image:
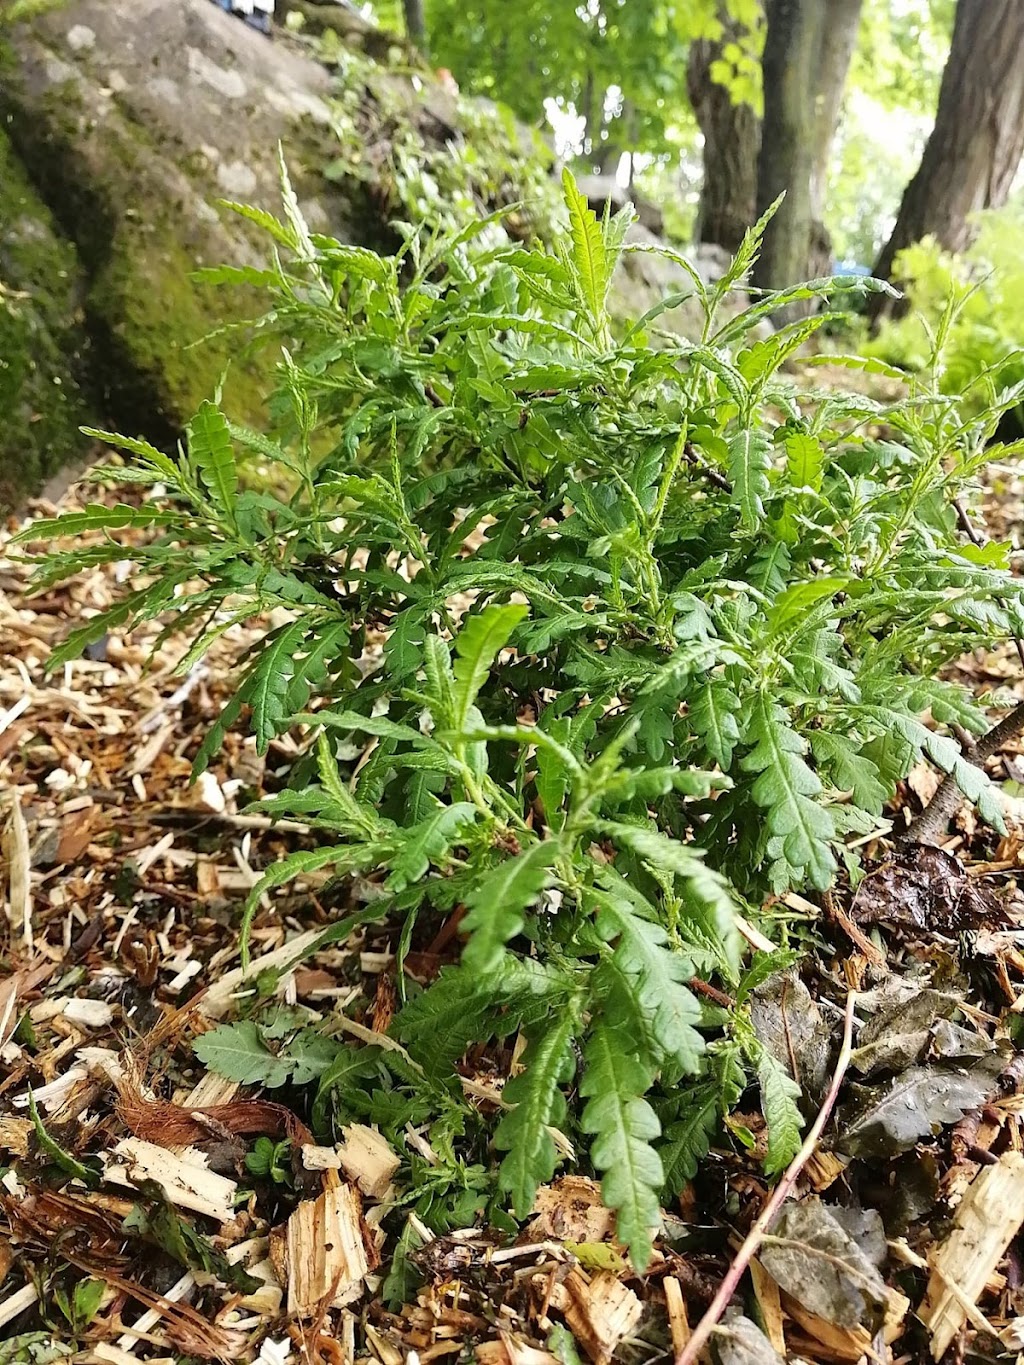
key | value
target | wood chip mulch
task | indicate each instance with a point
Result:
(122, 1158)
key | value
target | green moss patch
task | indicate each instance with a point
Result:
(43, 345)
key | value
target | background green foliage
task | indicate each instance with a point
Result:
(983, 353)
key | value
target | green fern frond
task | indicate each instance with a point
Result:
(209, 448)
(786, 788)
(590, 261)
(539, 1103)
(624, 1126)
(496, 905)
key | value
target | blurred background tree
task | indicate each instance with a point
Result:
(714, 107)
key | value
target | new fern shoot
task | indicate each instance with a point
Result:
(627, 633)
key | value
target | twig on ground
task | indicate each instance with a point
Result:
(701, 1333)
(926, 827)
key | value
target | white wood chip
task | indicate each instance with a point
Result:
(15, 846)
(987, 1220)
(184, 1176)
(326, 1256)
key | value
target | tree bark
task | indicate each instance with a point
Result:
(976, 144)
(792, 51)
(842, 23)
(415, 23)
(732, 140)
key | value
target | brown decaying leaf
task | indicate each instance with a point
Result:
(789, 1023)
(813, 1259)
(882, 1121)
(927, 889)
(739, 1341)
(174, 1125)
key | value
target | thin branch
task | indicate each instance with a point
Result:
(709, 471)
(712, 992)
(752, 1242)
(926, 827)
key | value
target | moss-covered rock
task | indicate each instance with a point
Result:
(42, 341)
(128, 122)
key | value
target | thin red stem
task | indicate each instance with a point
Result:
(751, 1243)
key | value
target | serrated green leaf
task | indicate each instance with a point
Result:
(437, 665)
(439, 1024)
(236, 274)
(655, 973)
(779, 1095)
(793, 606)
(712, 713)
(946, 754)
(477, 645)
(135, 445)
(851, 771)
(591, 273)
(427, 843)
(343, 858)
(866, 364)
(786, 788)
(718, 365)
(97, 517)
(263, 220)
(688, 1140)
(362, 820)
(539, 1104)
(238, 1052)
(498, 900)
(749, 463)
(369, 725)
(805, 461)
(668, 856)
(145, 604)
(267, 683)
(209, 447)
(624, 1126)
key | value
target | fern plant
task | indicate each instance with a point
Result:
(622, 632)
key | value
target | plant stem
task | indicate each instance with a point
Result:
(752, 1242)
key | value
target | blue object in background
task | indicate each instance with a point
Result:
(256, 13)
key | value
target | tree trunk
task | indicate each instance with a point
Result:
(732, 139)
(842, 22)
(976, 144)
(415, 23)
(792, 52)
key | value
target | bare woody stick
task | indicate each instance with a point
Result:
(927, 826)
(751, 1243)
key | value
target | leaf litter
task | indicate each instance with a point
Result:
(184, 1174)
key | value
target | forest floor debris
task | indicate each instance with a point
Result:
(154, 1208)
